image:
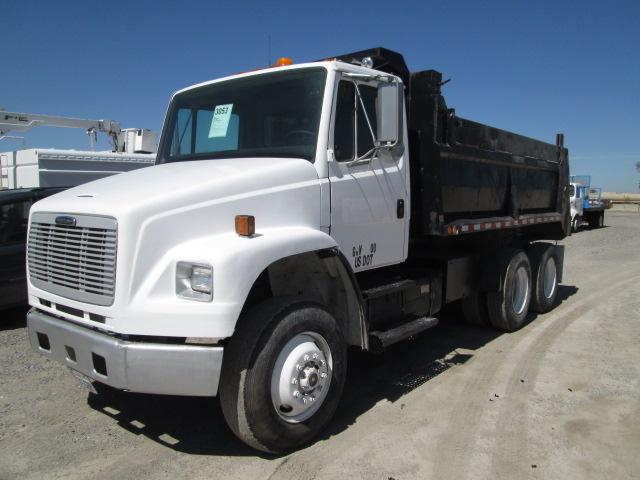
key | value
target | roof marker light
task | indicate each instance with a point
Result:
(283, 62)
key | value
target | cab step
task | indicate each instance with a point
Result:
(381, 339)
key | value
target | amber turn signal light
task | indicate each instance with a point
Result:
(245, 225)
(284, 61)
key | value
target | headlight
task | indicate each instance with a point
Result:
(194, 281)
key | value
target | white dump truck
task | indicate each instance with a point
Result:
(586, 203)
(292, 212)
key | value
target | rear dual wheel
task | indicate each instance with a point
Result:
(545, 266)
(529, 281)
(508, 307)
(474, 309)
(597, 221)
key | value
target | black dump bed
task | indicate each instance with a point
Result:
(469, 177)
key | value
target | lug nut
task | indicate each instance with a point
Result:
(294, 381)
(323, 375)
(315, 356)
(306, 358)
(304, 400)
(298, 367)
(296, 393)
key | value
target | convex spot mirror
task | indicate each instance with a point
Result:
(389, 108)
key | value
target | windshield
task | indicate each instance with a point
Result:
(269, 115)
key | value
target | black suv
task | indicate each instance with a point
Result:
(14, 219)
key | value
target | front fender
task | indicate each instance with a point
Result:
(237, 262)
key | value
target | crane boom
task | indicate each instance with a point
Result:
(14, 121)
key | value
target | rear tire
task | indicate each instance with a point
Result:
(264, 350)
(545, 267)
(474, 309)
(508, 308)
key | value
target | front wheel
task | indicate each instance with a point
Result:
(283, 374)
(575, 224)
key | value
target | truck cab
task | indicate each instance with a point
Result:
(284, 220)
(577, 195)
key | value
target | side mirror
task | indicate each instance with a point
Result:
(389, 114)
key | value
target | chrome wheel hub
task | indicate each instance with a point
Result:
(520, 290)
(549, 278)
(301, 377)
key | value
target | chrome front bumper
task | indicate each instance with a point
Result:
(134, 366)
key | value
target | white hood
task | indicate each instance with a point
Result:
(162, 207)
(173, 185)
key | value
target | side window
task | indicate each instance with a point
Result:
(344, 130)
(13, 221)
(351, 127)
(365, 139)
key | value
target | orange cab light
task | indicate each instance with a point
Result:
(245, 225)
(284, 61)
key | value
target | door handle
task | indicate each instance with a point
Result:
(400, 208)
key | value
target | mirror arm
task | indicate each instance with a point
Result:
(366, 77)
(366, 116)
(364, 158)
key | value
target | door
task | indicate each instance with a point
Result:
(369, 188)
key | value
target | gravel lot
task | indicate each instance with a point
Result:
(558, 399)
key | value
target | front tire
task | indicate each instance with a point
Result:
(575, 224)
(283, 374)
(508, 308)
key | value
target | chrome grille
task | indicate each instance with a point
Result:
(74, 261)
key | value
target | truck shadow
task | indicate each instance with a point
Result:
(196, 426)
(590, 229)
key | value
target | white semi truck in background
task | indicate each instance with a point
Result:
(586, 203)
(292, 212)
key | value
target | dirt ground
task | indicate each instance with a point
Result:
(558, 399)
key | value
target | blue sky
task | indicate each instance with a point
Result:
(536, 68)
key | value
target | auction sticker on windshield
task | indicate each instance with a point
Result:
(220, 121)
